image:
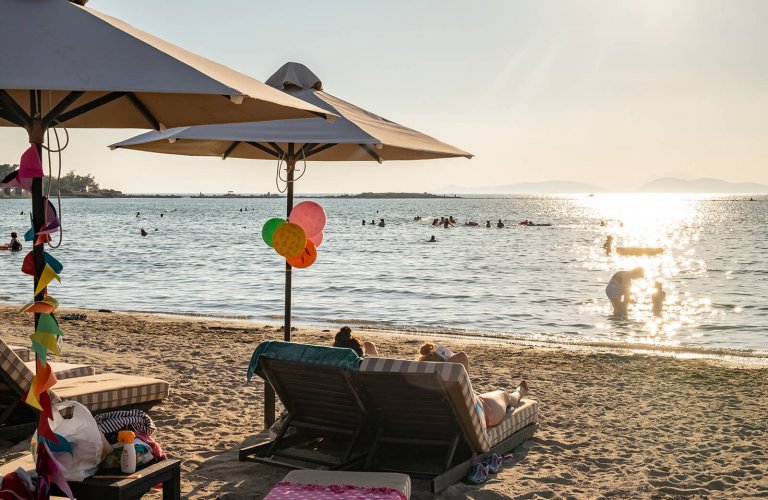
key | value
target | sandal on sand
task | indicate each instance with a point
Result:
(495, 463)
(478, 474)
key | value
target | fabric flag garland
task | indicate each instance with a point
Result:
(13, 181)
(48, 469)
(44, 379)
(30, 166)
(45, 306)
(46, 277)
(28, 266)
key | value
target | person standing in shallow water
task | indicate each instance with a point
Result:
(618, 290)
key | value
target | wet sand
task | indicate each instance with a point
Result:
(612, 424)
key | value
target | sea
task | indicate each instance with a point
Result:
(538, 284)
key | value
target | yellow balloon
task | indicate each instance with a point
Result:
(289, 240)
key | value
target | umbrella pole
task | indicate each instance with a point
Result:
(291, 166)
(36, 133)
(269, 393)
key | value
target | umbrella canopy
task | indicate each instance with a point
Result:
(95, 71)
(357, 135)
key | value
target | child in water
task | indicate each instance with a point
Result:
(658, 299)
(14, 245)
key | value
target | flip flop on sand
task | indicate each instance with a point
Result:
(478, 474)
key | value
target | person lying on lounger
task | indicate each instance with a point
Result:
(363, 349)
(495, 403)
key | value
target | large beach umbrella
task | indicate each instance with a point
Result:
(63, 64)
(357, 135)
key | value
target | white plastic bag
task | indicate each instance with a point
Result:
(83, 434)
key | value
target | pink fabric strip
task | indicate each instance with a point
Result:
(285, 490)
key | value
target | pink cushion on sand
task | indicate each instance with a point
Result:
(333, 492)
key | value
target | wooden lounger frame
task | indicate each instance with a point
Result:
(320, 403)
(405, 410)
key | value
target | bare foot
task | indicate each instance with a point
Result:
(519, 393)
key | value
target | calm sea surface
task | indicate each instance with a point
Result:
(205, 256)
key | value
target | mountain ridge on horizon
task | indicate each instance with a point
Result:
(660, 185)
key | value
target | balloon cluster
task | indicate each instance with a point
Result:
(297, 238)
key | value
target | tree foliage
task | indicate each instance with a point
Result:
(71, 184)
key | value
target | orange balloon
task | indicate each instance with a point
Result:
(289, 240)
(306, 258)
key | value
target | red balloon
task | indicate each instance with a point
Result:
(305, 258)
(316, 239)
(310, 216)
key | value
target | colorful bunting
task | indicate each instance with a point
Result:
(45, 306)
(50, 469)
(30, 165)
(12, 181)
(28, 265)
(47, 340)
(48, 324)
(29, 235)
(46, 277)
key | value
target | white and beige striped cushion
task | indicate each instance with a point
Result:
(526, 412)
(111, 390)
(459, 388)
(65, 370)
(97, 392)
(14, 367)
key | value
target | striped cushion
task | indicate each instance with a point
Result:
(66, 370)
(111, 390)
(15, 368)
(458, 387)
(526, 412)
(23, 352)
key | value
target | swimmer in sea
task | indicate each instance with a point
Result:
(432, 239)
(658, 299)
(381, 222)
(363, 221)
(143, 232)
(487, 223)
(608, 245)
(499, 224)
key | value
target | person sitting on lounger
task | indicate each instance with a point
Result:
(495, 403)
(363, 349)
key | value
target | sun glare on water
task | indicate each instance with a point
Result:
(649, 221)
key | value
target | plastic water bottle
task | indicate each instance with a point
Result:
(128, 457)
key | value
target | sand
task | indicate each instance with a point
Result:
(612, 424)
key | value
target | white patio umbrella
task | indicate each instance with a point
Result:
(357, 135)
(63, 64)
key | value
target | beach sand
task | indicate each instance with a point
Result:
(621, 425)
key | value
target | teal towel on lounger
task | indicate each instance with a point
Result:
(291, 351)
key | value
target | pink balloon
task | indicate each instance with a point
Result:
(310, 216)
(316, 239)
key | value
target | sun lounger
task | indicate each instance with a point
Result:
(315, 483)
(416, 405)
(422, 415)
(320, 405)
(97, 392)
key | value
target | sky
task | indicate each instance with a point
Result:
(611, 93)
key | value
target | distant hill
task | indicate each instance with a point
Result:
(545, 187)
(703, 185)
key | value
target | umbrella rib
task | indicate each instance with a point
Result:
(230, 149)
(61, 107)
(320, 149)
(371, 152)
(146, 113)
(10, 106)
(100, 101)
(265, 149)
(279, 149)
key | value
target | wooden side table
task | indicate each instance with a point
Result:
(167, 472)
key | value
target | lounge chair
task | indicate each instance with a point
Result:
(425, 411)
(320, 404)
(97, 392)
(416, 405)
